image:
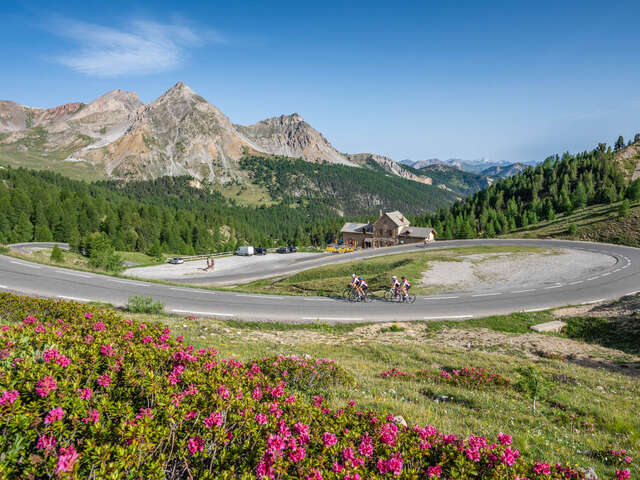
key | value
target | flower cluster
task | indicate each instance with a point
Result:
(394, 372)
(148, 406)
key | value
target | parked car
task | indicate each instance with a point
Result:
(245, 251)
(260, 251)
(292, 249)
(176, 261)
(282, 250)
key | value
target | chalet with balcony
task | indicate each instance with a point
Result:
(391, 228)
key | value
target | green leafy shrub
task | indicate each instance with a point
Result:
(142, 304)
(56, 254)
(88, 394)
(305, 374)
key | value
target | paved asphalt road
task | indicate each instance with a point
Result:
(621, 279)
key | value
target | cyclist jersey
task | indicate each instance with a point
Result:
(363, 283)
(396, 284)
(356, 281)
(407, 284)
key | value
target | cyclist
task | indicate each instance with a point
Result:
(395, 285)
(362, 286)
(405, 285)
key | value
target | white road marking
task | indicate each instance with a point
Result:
(75, 274)
(606, 274)
(439, 298)
(213, 314)
(524, 291)
(553, 286)
(626, 266)
(616, 270)
(128, 283)
(535, 310)
(75, 299)
(486, 294)
(632, 293)
(332, 318)
(448, 316)
(4, 288)
(188, 290)
(593, 301)
(592, 278)
(25, 264)
(577, 283)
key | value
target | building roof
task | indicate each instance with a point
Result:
(353, 228)
(398, 218)
(416, 232)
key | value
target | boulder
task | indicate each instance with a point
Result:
(553, 326)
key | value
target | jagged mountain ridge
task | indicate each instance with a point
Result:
(178, 133)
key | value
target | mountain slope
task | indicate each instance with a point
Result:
(459, 181)
(504, 171)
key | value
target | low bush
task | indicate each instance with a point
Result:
(305, 374)
(142, 304)
(466, 376)
(87, 394)
(56, 254)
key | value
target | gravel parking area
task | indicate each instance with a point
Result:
(483, 272)
(223, 266)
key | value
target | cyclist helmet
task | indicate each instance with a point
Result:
(353, 275)
(394, 277)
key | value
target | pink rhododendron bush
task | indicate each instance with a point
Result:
(88, 394)
(465, 376)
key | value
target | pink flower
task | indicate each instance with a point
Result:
(9, 397)
(297, 454)
(191, 415)
(504, 439)
(472, 454)
(92, 417)
(88, 315)
(195, 444)
(542, 468)
(394, 464)
(214, 419)
(46, 385)
(46, 443)
(63, 361)
(509, 456)
(388, 434)
(256, 394)
(107, 350)
(50, 355)
(623, 474)
(329, 439)
(104, 380)
(317, 401)
(261, 418)
(223, 391)
(366, 447)
(85, 393)
(98, 326)
(54, 415)
(144, 413)
(315, 475)
(278, 391)
(67, 458)
(627, 459)
(435, 471)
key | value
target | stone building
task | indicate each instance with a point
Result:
(391, 228)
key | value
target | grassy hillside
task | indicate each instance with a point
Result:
(587, 409)
(597, 223)
(353, 191)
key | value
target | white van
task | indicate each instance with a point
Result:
(245, 251)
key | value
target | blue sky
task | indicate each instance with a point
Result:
(509, 80)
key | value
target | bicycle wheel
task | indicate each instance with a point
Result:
(346, 293)
(353, 296)
(410, 298)
(366, 298)
(388, 295)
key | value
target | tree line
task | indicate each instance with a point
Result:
(560, 184)
(163, 215)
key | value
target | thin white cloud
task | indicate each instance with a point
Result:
(142, 47)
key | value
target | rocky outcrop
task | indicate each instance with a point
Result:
(291, 136)
(388, 165)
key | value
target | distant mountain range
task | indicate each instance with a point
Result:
(482, 166)
(179, 133)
